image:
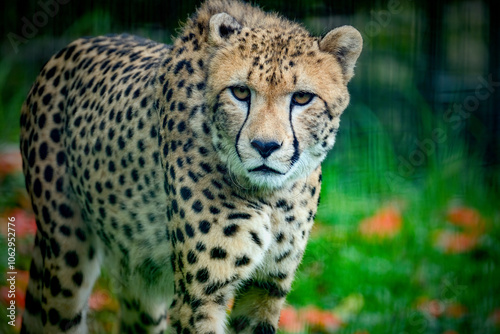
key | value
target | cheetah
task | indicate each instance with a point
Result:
(191, 172)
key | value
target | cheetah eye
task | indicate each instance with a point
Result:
(302, 98)
(241, 93)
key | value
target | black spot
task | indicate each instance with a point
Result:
(204, 226)
(66, 324)
(189, 230)
(180, 235)
(218, 253)
(230, 230)
(81, 235)
(46, 215)
(239, 215)
(37, 188)
(135, 175)
(264, 328)
(55, 247)
(283, 256)
(193, 176)
(43, 151)
(41, 121)
(32, 158)
(186, 193)
(202, 275)
(50, 73)
(242, 261)
(255, 238)
(214, 210)
(65, 230)
(181, 126)
(47, 98)
(169, 94)
(49, 173)
(55, 286)
(175, 207)
(33, 305)
(65, 211)
(137, 93)
(54, 316)
(197, 206)
(191, 257)
(71, 259)
(127, 230)
(153, 133)
(61, 158)
(212, 288)
(55, 135)
(206, 167)
(200, 247)
(77, 278)
(59, 184)
(280, 237)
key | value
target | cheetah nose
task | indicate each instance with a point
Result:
(265, 148)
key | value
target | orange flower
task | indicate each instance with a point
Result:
(472, 226)
(456, 242)
(289, 320)
(10, 162)
(293, 321)
(385, 223)
(24, 224)
(321, 319)
(467, 218)
(100, 299)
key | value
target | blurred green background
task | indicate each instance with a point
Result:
(408, 229)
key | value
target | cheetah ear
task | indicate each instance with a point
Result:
(345, 43)
(222, 26)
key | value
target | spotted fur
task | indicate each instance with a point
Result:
(191, 171)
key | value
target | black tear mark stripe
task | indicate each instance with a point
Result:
(296, 154)
(241, 129)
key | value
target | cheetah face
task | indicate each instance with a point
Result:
(277, 99)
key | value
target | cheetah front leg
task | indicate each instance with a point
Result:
(259, 300)
(257, 307)
(258, 303)
(210, 263)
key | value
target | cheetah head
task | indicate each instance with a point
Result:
(276, 96)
